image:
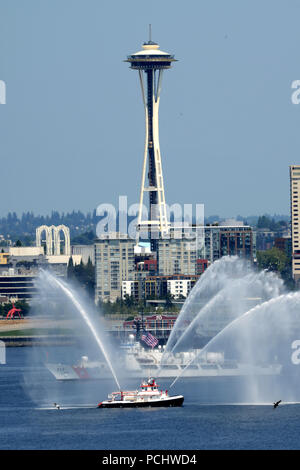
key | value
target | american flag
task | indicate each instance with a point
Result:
(149, 339)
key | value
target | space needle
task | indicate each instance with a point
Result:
(150, 63)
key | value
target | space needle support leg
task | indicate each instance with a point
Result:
(159, 174)
(145, 152)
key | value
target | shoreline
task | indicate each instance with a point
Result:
(39, 340)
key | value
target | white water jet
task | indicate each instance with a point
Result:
(216, 276)
(236, 298)
(268, 333)
(226, 290)
(72, 296)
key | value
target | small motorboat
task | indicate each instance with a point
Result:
(148, 395)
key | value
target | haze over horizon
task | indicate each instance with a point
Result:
(72, 128)
(206, 216)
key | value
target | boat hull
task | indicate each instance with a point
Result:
(168, 402)
(66, 372)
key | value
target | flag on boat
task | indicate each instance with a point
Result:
(149, 339)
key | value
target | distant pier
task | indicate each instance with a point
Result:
(39, 340)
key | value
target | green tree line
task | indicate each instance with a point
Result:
(267, 222)
(277, 261)
(84, 274)
(131, 307)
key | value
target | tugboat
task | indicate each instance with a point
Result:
(149, 395)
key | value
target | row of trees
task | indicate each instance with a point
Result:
(267, 222)
(83, 226)
(131, 307)
(84, 275)
(123, 307)
(23, 228)
(277, 261)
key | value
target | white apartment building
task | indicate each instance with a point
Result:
(179, 287)
(114, 263)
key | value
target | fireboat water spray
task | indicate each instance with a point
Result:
(226, 279)
(213, 340)
(50, 278)
(278, 333)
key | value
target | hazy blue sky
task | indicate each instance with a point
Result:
(72, 130)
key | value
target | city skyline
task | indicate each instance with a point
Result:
(228, 124)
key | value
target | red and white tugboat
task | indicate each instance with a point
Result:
(149, 395)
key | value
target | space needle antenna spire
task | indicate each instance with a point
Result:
(150, 63)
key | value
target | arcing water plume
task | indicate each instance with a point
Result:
(216, 276)
(46, 277)
(229, 303)
(264, 333)
(268, 333)
(227, 289)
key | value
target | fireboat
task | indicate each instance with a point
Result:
(149, 395)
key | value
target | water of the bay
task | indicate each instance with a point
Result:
(206, 421)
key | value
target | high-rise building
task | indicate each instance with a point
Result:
(295, 208)
(176, 256)
(191, 250)
(150, 63)
(114, 259)
(178, 253)
(228, 240)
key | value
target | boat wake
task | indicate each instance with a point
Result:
(66, 407)
(267, 404)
